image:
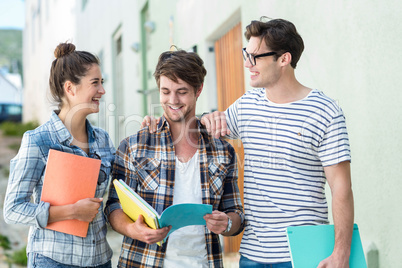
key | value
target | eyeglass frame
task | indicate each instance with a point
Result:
(253, 60)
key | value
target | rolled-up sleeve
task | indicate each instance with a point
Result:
(122, 169)
(22, 202)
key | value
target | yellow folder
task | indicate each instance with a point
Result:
(133, 205)
(177, 216)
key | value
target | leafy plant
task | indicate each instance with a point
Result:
(14, 146)
(17, 129)
(6, 173)
(17, 257)
(5, 242)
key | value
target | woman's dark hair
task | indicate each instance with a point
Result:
(279, 35)
(187, 66)
(69, 65)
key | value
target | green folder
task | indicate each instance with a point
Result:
(309, 245)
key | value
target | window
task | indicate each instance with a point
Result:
(10, 112)
(83, 4)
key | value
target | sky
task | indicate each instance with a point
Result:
(12, 14)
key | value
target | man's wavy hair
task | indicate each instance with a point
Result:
(180, 64)
(279, 35)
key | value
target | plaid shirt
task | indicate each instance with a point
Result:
(26, 181)
(146, 162)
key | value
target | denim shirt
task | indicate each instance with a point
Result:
(23, 205)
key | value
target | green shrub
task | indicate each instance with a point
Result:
(4, 242)
(17, 129)
(6, 173)
(14, 146)
(19, 257)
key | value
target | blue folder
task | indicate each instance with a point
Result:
(309, 245)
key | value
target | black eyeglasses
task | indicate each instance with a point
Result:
(252, 58)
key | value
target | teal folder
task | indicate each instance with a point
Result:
(309, 245)
(178, 215)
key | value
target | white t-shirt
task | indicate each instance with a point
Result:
(186, 246)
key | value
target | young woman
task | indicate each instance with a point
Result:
(76, 85)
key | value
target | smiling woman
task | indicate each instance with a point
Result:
(76, 86)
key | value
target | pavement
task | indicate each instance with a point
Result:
(18, 233)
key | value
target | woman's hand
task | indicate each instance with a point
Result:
(86, 209)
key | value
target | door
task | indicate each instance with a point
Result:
(230, 86)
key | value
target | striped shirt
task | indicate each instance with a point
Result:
(286, 148)
(146, 162)
(26, 181)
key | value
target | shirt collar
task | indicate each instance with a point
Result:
(91, 132)
(62, 133)
(163, 123)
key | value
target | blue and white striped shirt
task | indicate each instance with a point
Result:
(286, 148)
(26, 181)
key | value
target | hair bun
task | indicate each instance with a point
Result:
(64, 49)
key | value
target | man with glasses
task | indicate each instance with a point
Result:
(294, 139)
(178, 163)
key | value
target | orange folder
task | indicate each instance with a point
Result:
(69, 178)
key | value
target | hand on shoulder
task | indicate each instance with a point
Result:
(151, 122)
(215, 123)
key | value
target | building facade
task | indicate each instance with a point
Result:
(47, 23)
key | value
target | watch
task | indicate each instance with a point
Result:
(229, 225)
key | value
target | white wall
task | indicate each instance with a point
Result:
(197, 23)
(99, 22)
(48, 23)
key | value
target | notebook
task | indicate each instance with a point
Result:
(177, 216)
(309, 245)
